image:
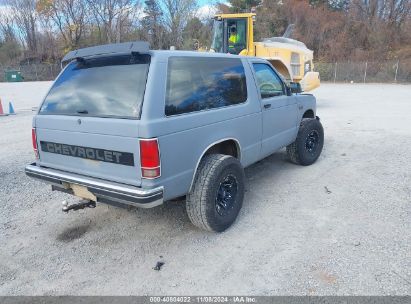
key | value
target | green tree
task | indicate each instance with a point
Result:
(152, 24)
(197, 34)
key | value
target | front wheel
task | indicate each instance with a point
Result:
(309, 143)
(217, 194)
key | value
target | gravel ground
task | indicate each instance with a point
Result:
(339, 227)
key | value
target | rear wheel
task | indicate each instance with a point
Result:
(217, 194)
(309, 143)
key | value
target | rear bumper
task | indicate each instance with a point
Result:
(105, 191)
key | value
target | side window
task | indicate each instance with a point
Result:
(203, 83)
(268, 81)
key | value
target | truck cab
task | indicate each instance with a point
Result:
(234, 34)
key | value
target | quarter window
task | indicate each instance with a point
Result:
(268, 81)
(196, 84)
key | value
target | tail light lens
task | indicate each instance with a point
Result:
(150, 158)
(34, 141)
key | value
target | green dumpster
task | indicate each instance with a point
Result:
(13, 76)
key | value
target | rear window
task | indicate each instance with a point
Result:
(196, 84)
(103, 87)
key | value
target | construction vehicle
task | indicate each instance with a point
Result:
(234, 33)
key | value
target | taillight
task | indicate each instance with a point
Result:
(34, 141)
(149, 158)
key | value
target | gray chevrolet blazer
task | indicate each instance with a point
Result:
(126, 125)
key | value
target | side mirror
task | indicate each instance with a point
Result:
(295, 87)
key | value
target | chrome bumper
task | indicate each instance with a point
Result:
(105, 191)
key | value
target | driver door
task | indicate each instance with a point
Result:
(279, 110)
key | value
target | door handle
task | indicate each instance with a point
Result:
(267, 106)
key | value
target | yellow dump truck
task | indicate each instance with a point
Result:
(234, 33)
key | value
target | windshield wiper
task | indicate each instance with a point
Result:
(82, 112)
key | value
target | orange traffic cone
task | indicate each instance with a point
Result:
(1, 109)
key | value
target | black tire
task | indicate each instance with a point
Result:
(211, 191)
(309, 143)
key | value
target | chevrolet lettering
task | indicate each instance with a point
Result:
(122, 158)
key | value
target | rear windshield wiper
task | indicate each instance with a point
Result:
(82, 112)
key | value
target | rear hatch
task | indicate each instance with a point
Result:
(89, 121)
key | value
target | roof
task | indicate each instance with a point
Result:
(107, 49)
(135, 47)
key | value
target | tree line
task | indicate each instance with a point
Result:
(44, 30)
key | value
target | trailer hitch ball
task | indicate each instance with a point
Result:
(81, 205)
(65, 206)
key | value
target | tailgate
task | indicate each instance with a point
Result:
(105, 148)
(89, 120)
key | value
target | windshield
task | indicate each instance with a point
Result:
(103, 87)
(237, 31)
(218, 33)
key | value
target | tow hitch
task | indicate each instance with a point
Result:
(81, 205)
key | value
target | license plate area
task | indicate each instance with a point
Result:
(81, 191)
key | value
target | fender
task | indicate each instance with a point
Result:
(238, 146)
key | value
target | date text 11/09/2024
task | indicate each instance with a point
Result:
(204, 299)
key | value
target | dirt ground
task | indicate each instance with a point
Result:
(339, 227)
